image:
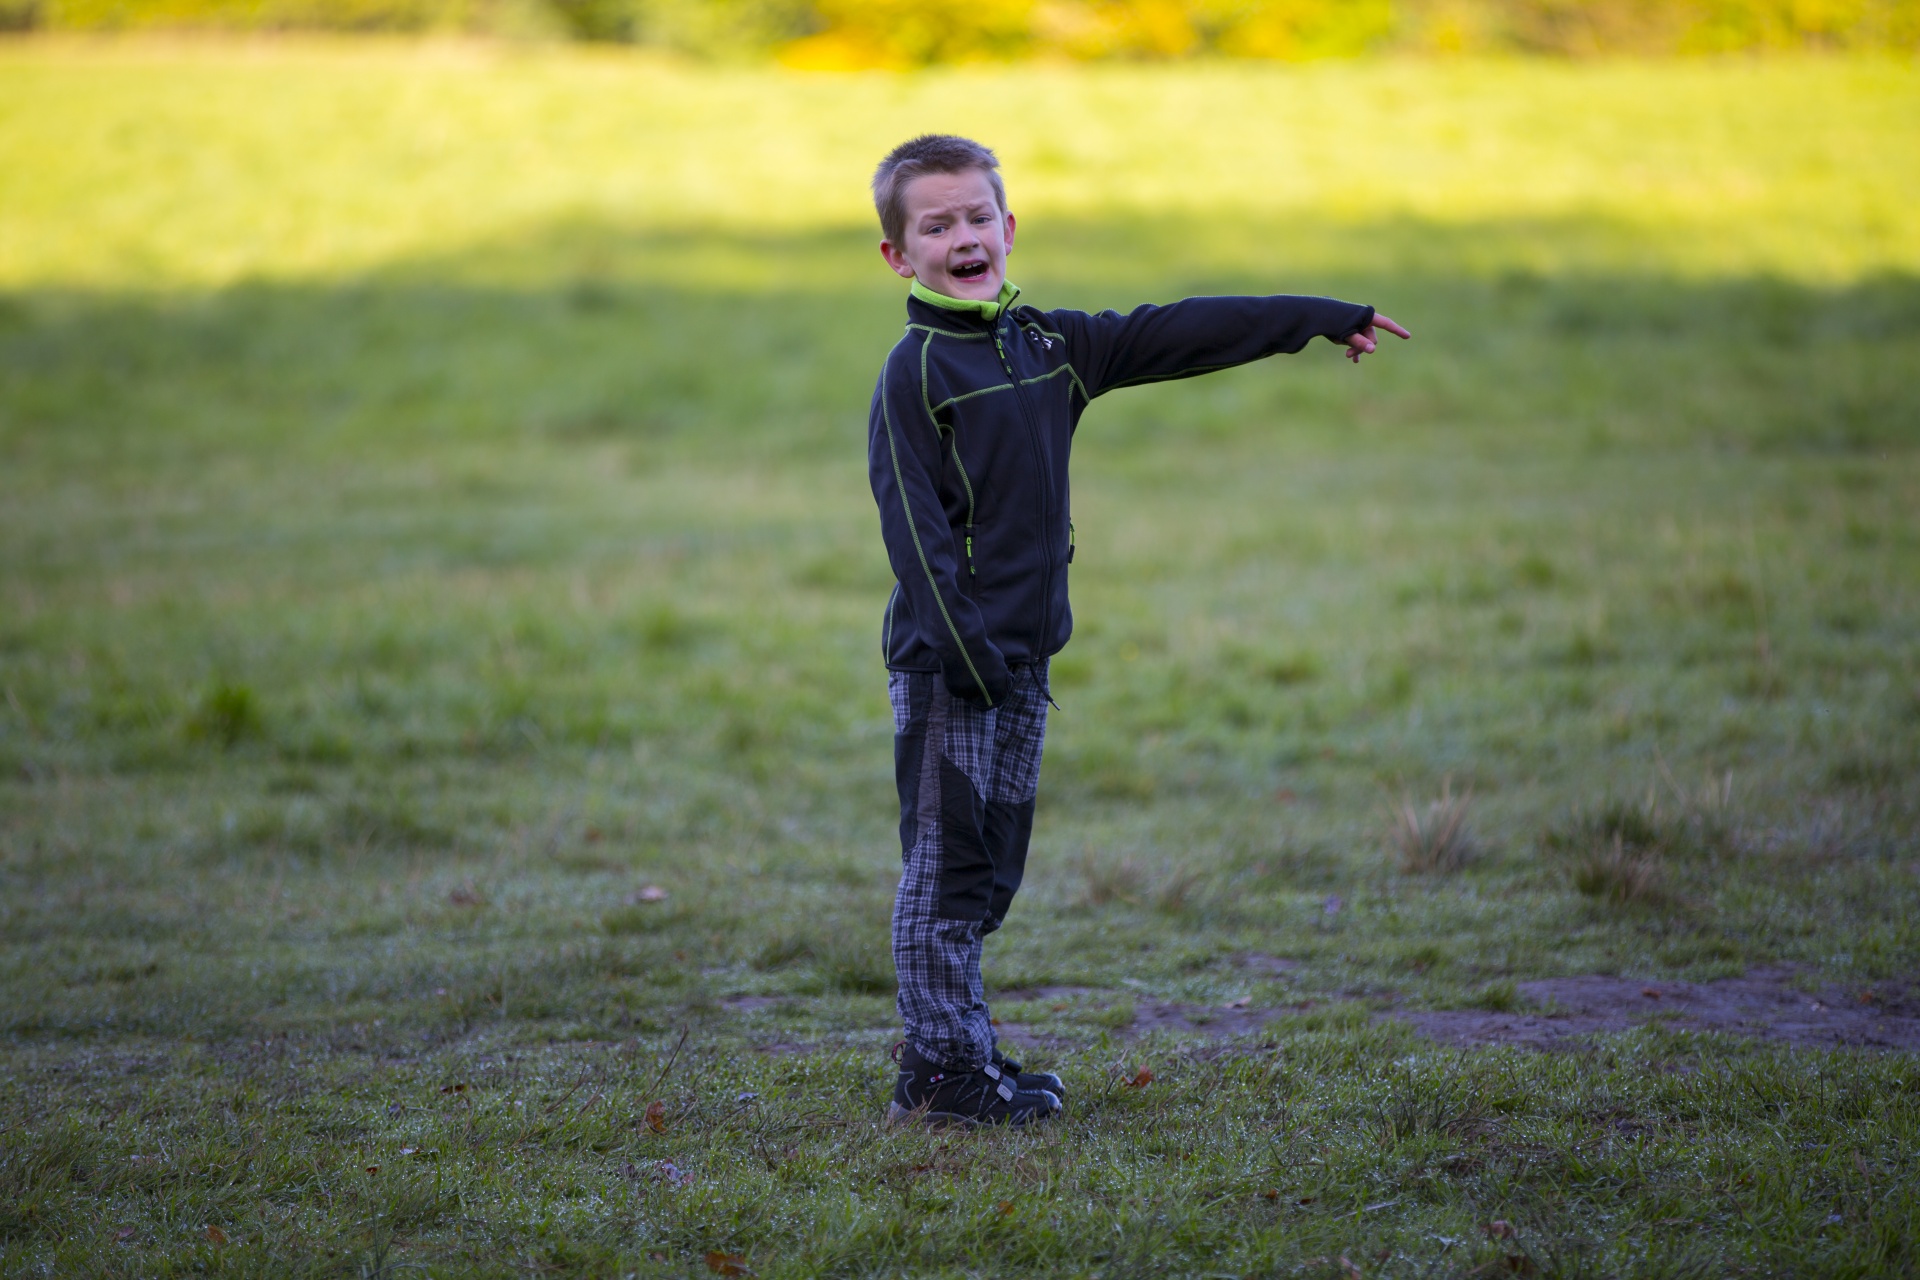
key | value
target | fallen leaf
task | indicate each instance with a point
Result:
(216, 1236)
(648, 893)
(1005, 1207)
(1141, 1079)
(373, 1168)
(123, 1234)
(453, 1088)
(657, 1116)
(727, 1264)
(1649, 993)
(1304, 1200)
(1518, 1263)
(1241, 1003)
(1868, 996)
(993, 1021)
(1500, 1229)
(1272, 1194)
(1383, 1255)
(467, 896)
(593, 835)
(1346, 1265)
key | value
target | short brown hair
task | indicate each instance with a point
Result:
(928, 153)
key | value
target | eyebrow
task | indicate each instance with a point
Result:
(942, 214)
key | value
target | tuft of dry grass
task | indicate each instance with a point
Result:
(1617, 873)
(1436, 837)
(1105, 881)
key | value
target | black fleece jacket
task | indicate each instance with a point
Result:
(968, 438)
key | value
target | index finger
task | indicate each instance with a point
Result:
(1387, 323)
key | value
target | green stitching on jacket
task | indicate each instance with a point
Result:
(1008, 386)
(1066, 369)
(953, 437)
(900, 483)
(925, 344)
(1060, 338)
(968, 395)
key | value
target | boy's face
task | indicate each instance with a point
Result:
(957, 238)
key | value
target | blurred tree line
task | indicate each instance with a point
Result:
(858, 33)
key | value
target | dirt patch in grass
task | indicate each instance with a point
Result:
(1767, 1003)
(1129, 1015)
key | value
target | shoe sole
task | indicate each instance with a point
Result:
(898, 1115)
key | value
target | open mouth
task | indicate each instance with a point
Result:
(970, 271)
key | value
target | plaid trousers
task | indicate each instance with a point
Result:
(967, 780)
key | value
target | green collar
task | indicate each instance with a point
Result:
(985, 310)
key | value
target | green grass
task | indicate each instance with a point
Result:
(432, 509)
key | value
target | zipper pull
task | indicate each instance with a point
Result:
(1070, 536)
(970, 572)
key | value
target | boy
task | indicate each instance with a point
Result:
(968, 439)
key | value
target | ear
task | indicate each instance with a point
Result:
(1009, 221)
(896, 259)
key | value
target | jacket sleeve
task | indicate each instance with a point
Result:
(1199, 335)
(904, 462)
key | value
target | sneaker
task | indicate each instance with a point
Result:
(1030, 1080)
(932, 1095)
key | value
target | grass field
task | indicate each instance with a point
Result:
(433, 515)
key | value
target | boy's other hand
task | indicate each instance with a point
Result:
(1362, 343)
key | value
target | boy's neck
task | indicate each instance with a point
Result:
(986, 309)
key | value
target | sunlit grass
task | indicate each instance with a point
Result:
(158, 164)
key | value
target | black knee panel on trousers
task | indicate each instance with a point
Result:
(966, 859)
(1009, 829)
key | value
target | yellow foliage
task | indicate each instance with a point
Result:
(850, 34)
(900, 32)
(916, 32)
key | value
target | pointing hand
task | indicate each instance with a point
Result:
(1362, 343)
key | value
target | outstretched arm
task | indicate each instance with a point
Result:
(1199, 335)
